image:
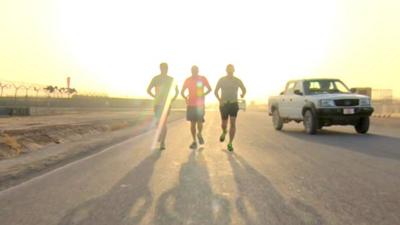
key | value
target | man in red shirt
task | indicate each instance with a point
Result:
(195, 103)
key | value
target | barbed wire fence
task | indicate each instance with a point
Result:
(19, 89)
(23, 94)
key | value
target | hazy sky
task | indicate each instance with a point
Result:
(116, 46)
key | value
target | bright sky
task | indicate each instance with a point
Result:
(116, 46)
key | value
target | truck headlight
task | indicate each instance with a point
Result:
(365, 102)
(326, 103)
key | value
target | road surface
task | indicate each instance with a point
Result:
(288, 177)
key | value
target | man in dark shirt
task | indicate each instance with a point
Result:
(163, 85)
(228, 102)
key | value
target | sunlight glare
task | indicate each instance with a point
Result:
(125, 40)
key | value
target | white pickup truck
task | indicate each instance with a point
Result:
(318, 103)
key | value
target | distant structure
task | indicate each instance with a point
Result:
(363, 91)
(382, 94)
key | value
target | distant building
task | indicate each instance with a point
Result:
(382, 94)
(363, 91)
(375, 94)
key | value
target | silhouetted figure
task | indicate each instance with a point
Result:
(228, 102)
(195, 103)
(193, 200)
(163, 97)
(133, 190)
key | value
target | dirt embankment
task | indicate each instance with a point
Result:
(22, 141)
(32, 145)
(20, 136)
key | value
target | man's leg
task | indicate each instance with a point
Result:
(163, 118)
(224, 122)
(233, 111)
(200, 127)
(163, 134)
(199, 132)
(224, 126)
(232, 129)
(193, 130)
(190, 117)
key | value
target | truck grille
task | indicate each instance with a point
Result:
(347, 102)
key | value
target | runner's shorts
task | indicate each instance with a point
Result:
(229, 109)
(195, 113)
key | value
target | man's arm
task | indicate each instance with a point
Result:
(216, 91)
(184, 87)
(207, 86)
(243, 89)
(176, 93)
(150, 88)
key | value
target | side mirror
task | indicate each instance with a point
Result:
(298, 92)
(282, 93)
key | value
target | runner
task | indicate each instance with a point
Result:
(195, 103)
(228, 102)
(162, 83)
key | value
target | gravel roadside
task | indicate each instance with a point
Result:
(31, 146)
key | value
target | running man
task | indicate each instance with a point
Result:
(195, 103)
(162, 84)
(228, 102)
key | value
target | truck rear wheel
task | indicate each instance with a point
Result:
(310, 122)
(277, 120)
(362, 126)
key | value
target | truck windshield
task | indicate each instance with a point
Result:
(313, 87)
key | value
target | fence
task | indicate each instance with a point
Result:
(382, 94)
(25, 95)
(78, 101)
(386, 108)
(17, 89)
(19, 98)
(384, 103)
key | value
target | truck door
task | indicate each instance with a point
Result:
(284, 105)
(296, 101)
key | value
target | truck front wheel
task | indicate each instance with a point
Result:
(310, 122)
(362, 126)
(277, 120)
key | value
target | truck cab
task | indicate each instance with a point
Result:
(318, 103)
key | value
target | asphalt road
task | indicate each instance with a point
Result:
(288, 177)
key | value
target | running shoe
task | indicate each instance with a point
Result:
(201, 139)
(162, 146)
(193, 145)
(222, 137)
(230, 147)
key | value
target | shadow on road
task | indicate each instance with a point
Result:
(192, 201)
(370, 144)
(260, 203)
(125, 203)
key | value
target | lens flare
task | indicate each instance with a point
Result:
(160, 122)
